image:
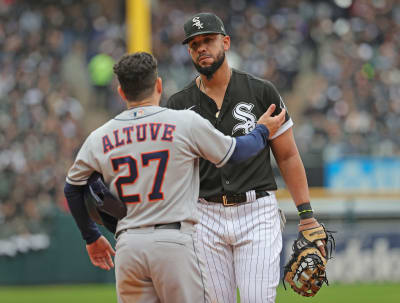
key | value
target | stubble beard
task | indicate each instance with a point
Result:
(209, 71)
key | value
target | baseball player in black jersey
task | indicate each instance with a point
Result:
(239, 229)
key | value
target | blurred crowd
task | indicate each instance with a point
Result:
(335, 63)
(46, 93)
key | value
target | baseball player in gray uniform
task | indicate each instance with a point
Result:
(149, 157)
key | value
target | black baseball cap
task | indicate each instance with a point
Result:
(203, 23)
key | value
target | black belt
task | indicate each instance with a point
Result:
(233, 199)
(173, 225)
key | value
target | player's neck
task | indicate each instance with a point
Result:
(216, 87)
(151, 101)
(219, 79)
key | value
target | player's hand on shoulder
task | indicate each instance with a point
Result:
(100, 252)
(272, 123)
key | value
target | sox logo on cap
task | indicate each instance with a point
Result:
(196, 22)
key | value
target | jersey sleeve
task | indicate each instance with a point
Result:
(273, 97)
(209, 143)
(83, 166)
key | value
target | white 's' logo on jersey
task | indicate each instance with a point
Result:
(196, 22)
(242, 112)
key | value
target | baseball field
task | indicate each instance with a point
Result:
(365, 293)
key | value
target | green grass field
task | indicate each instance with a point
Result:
(365, 293)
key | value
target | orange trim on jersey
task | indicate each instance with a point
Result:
(107, 145)
(118, 142)
(157, 172)
(140, 138)
(121, 192)
(128, 130)
(154, 132)
(168, 131)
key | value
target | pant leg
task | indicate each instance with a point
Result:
(217, 252)
(177, 270)
(257, 253)
(133, 281)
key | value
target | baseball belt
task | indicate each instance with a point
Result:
(173, 225)
(234, 199)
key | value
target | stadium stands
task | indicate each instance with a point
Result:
(335, 62)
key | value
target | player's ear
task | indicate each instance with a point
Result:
(159, 85)
(121, 92)
(227, 42)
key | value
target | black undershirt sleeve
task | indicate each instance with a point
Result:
(75, 198)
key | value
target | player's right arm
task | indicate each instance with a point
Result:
(76, 179)
(97, 246)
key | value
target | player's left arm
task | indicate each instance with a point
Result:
(287, 156)
(270, 96)
(292, 170)
(291, 166)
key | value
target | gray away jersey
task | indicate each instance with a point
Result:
(149, 156)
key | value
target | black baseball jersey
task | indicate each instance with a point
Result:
(246, 99)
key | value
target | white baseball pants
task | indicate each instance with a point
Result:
(241, 246)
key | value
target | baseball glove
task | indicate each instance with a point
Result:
(306, 268)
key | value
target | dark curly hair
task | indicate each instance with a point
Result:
(137, 74)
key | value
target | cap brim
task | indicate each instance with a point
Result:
(200, 33)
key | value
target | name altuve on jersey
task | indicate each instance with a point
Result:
(138, 133)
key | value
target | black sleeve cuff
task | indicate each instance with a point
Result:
(75, 198)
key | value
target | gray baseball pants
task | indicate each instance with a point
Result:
(159, 265)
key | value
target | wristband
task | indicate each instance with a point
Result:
(305, 211)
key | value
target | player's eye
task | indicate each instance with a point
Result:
(193, 46)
